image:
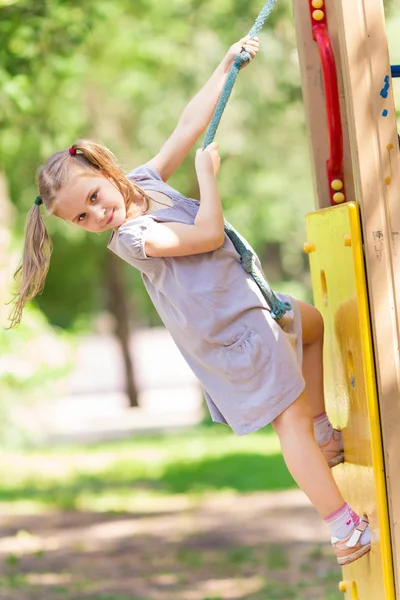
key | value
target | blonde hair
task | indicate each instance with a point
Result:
(85, 155)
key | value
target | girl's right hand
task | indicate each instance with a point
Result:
(208, 160)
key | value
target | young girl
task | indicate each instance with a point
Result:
(254, 370)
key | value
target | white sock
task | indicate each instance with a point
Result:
(323, 429)
(342, 522)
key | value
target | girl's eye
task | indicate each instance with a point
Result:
(81, 217)
(93, 197)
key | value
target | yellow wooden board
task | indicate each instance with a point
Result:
(338, 279)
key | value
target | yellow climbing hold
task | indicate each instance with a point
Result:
(338, 197)
(349, 586)
(337, 185)
(318, 15)
(309, 247)
(347, 240)
(317, 3)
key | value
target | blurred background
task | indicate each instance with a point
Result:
(114, 483)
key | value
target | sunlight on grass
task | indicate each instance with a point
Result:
(129, 474)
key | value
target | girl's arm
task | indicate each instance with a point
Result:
(207, 232)
(197, 114)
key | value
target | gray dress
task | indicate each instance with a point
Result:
(248, 365)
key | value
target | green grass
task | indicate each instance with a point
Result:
(111, 477)
(277, 558)
(154, 475)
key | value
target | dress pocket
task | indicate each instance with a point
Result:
(246, 357)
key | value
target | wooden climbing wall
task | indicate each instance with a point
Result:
(339, 287)
(372, 179)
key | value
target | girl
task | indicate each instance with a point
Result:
(254, 370)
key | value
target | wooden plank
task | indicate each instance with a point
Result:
(375, 160)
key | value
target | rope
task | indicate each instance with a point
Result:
(242, 246)
(248, 258)
(240, 59)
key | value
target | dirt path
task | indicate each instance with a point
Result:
(260, 546)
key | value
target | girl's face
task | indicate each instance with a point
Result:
(92, 202)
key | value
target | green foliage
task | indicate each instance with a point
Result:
(60, 81)
(122, 72)
(42, 64)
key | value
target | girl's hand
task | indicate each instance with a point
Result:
(250, 45)
(208, 160)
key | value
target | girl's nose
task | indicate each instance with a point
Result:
(98, 213)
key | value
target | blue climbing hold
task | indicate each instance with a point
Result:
(385, 89)
(395, 70)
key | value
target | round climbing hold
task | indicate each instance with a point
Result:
(337, 185)
(349, 586)
(324, 287)
(318, 15)
(309, 247)
(338, 197)
(317, 3)
(347, 240)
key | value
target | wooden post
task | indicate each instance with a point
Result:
(374, 155)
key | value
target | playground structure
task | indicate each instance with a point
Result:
(353, 241)
(354, 248)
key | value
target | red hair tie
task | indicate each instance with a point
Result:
(72, 151)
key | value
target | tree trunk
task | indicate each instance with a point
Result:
(118, 307)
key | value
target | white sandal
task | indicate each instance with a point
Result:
(350, 549)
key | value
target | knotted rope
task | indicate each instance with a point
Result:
(242, 246)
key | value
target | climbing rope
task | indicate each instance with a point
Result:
(242, 246)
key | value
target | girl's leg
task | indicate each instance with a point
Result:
(329, 439)
(304, 459)
(313, 341)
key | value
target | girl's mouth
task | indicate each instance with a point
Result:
(111, 217)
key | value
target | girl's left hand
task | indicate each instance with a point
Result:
(250, 45)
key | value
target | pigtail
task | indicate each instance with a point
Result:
(32, 272)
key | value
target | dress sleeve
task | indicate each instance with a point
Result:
(132, 237)
(144, 173)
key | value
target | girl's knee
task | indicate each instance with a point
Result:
(298, 414)
(312, 324)
(318, 324)
(319, 321)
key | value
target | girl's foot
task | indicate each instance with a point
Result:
(333, 449)
(350, 548)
